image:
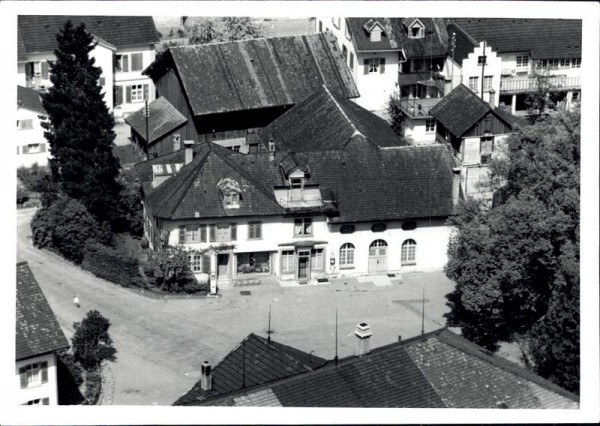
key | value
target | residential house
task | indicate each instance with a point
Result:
(125, 46)
(227, 91)
(476, 131)
(38, 338)
(395, 56)
(32, 146)
(527, 48)
(435, 370)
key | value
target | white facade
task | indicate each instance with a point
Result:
(36, 382)
(420, 131)
(32, 146)
(130, 86)
(473, 72)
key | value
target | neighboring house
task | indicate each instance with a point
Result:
(525, 47)
(32, 146)
(476, 131)
(388, 56)
(435, 370)
(38, 338)
(227, 91)
(125, 46)
(301, 216)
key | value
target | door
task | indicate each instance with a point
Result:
(378, 256)
(303, 266)
(222, 265)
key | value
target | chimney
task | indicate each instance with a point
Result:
(492, 100)
(176, 142)
(271, 150)
(447, 85)
(456, 178)
(363, 332)
(206, 376)
(189, 151)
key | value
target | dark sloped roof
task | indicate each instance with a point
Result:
(260, 360)
(29, 99)
(163, 119)
(544, 38)
(465, 44)
(39, 31)
(21, 50)
(37, 331)
(257, 73)
(325, 121)
(395, 37)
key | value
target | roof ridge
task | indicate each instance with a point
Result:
(356, 131)
(280, 351)
(194, 46)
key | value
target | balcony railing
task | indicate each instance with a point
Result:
(559, 82)
(418, 108)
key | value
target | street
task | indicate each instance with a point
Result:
(162, 343)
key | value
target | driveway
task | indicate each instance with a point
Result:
(161, 344)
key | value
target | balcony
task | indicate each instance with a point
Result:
(418, 108)
(530, 84)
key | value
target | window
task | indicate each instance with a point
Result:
(522, 61)
(320, 26)
(231, 200)
(102, 81)
(287, 262)
(235, 148)
(408, 255)
(486, 145)
(482, 60)
(33, 374)
(576, 63)
(192, 233)
(347, 229)
(487, 83)
(316, 260)
(378, 227)
(123, 62)
(39, 401)
(34, 148)
(25, 124)
(254, 230)
(576, 96)
(137, 62)
(137, 92)
(347, 256)
(430, 125)
(302, 227)
(474, 84)
(409, 225)
(345, 52)
(226, 232)
(351, 63)
(416, 31)
(336, 22)
(418, 65)
(296, 182)
(373, 65)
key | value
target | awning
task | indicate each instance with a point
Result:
(301, 243)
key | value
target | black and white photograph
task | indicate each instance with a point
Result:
(301, 204)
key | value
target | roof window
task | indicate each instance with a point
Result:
(416, 29)
(230, 191)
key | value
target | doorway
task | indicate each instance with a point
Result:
(378, 256)
(303, 266)
(222, 266)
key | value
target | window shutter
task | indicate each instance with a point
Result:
(23, 374)
(45, 401)
(233, 232)
(118, 95)
(382, 66)
(146, 90)
(42, 147)
(45, 70)
(206, 263)
(212, 231)
(181, 234)
(128, 95)
(25, 149)
(366, 66)
(203, 233)
(258, 230)
(125, 63)
(44, 368)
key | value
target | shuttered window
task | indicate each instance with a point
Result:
(33, 374)
(254, 230)
(213, 233)
(203, 233)
(206, 264)
(128, 94)
(181, 234)
(233, 232)
(118, 98)
(137, 62)
(45, 68)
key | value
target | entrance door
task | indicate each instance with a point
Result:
(378, 256)
(223, 265)
(303, 266)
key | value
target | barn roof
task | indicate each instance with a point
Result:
(163, 118)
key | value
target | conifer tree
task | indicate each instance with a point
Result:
(79, 127)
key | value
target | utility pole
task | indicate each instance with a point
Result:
(452, 47)
(336, 338)
(146, 114)
(269, 329)
(483, 70)
(423, 313)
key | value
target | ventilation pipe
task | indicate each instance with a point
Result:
(363, 333)
(189, 151)
(206, 376)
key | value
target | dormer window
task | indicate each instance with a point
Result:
(230, 191)
(231, 200)
(416, 29)
(375, 34)
(296, 182)
(374, 30)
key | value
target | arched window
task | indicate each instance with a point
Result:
(347, 256)
(409, 253)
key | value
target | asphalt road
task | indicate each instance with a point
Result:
(161, 344)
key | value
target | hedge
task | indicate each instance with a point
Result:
(112, 265)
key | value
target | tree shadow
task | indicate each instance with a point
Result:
(68, 390)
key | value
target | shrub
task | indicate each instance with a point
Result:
(72, 366)
(22, 195)
(65, 226)
(111, 265)
(33, 178)
(93, 387)
(144, 243)
(91, 342)
(170, 271)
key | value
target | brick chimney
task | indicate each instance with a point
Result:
(206, 376)
(456, 178)
(189, 151)
(363, 333)
(492, 100)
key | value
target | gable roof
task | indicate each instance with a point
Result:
(464, 45)
(30, 99)
(326, 121)
(395, 37)
(256, 73)
(37, 330)
(544, 38)
(438, 369)
(255, 361)
(163, 118)
(461, 109)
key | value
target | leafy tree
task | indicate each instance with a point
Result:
(129, 217)
(542, 98)
(397, 117)
(91, 342)
(169, 269)
(79, 127)
(33, 178)
(204, 33)
(22, 194)
(240, 28)
(516, 264)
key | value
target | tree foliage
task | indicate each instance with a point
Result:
(231, 28)
(91, 342)
(33, 178)
(204, 32)
(542, 99)
(397, 117)
(169, 270)
(516, 264)
(129, 216)
(79, 127)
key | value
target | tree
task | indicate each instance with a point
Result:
(129, 217)
(170, 270)
(205, 32)
(516, 264)
(34, 177)
(79, 127)
(397, 117)
(542, 98)
(240, 28)
(91, 342)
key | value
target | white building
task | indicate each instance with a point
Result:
(32, 146)
(125, 47)
(38, 337)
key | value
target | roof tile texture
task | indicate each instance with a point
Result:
(163, 118)
(29, 99)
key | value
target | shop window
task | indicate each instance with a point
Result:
(347, 256)
(287, 262)
(317, 260)
(409, 253)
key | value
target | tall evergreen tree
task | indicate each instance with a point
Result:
(79, 127)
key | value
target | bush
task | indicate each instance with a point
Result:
(22, 195)
(73, 367)
(170, 271)
(34, 178)
(111, 265)
(65, 226)
(93, 387)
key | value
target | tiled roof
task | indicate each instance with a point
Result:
(255, 361)
(29, 99)
(465, 44)
(395, 37)
(461, 109)
(438, 369)
(39, 31)
(257, 73)
(37, 330)
(544, 38)
(21, 50)
(325, 121)
(163, 119)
